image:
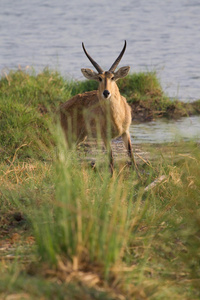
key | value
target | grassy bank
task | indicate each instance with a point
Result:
(70, 232)
(29, 102)
(148, 101)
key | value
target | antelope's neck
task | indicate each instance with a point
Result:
(113, 110)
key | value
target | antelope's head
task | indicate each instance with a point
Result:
(107, 79)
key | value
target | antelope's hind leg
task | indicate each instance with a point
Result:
(127, 142)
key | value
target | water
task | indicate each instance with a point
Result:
(165, 131)
(161, 35)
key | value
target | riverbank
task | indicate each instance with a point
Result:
(143, 92)
(143, 111)
(29, 102)
(148, 101)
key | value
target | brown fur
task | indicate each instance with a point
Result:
(84, 111)
(89, 113)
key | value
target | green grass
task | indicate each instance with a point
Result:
(71, 232)
(138, 85)
(144, 90)
(23, 112)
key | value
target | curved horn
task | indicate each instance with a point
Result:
(97, 67)
(115, 64)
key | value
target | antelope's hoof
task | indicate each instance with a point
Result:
(93, 165)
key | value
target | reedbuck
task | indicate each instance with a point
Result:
(104, 112)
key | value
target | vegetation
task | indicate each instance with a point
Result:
(148, 101)
(70, 232)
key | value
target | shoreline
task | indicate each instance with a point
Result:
(145, 111)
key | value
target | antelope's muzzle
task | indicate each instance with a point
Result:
(106, 93)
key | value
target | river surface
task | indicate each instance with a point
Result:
(165, 131)
(161, 35)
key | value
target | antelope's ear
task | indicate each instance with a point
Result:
(122, 72)
(89, 74)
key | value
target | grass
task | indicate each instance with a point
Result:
(145, 94)
(69, 232)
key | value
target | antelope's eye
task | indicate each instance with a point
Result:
(112, 78)
(100, 79)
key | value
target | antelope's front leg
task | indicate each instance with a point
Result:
(111, 163)
(127, 142)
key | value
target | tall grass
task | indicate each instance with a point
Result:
(143, 242)
(90, 215)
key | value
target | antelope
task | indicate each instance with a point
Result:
(105, 110)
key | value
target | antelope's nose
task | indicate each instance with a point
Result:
(106, 93)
